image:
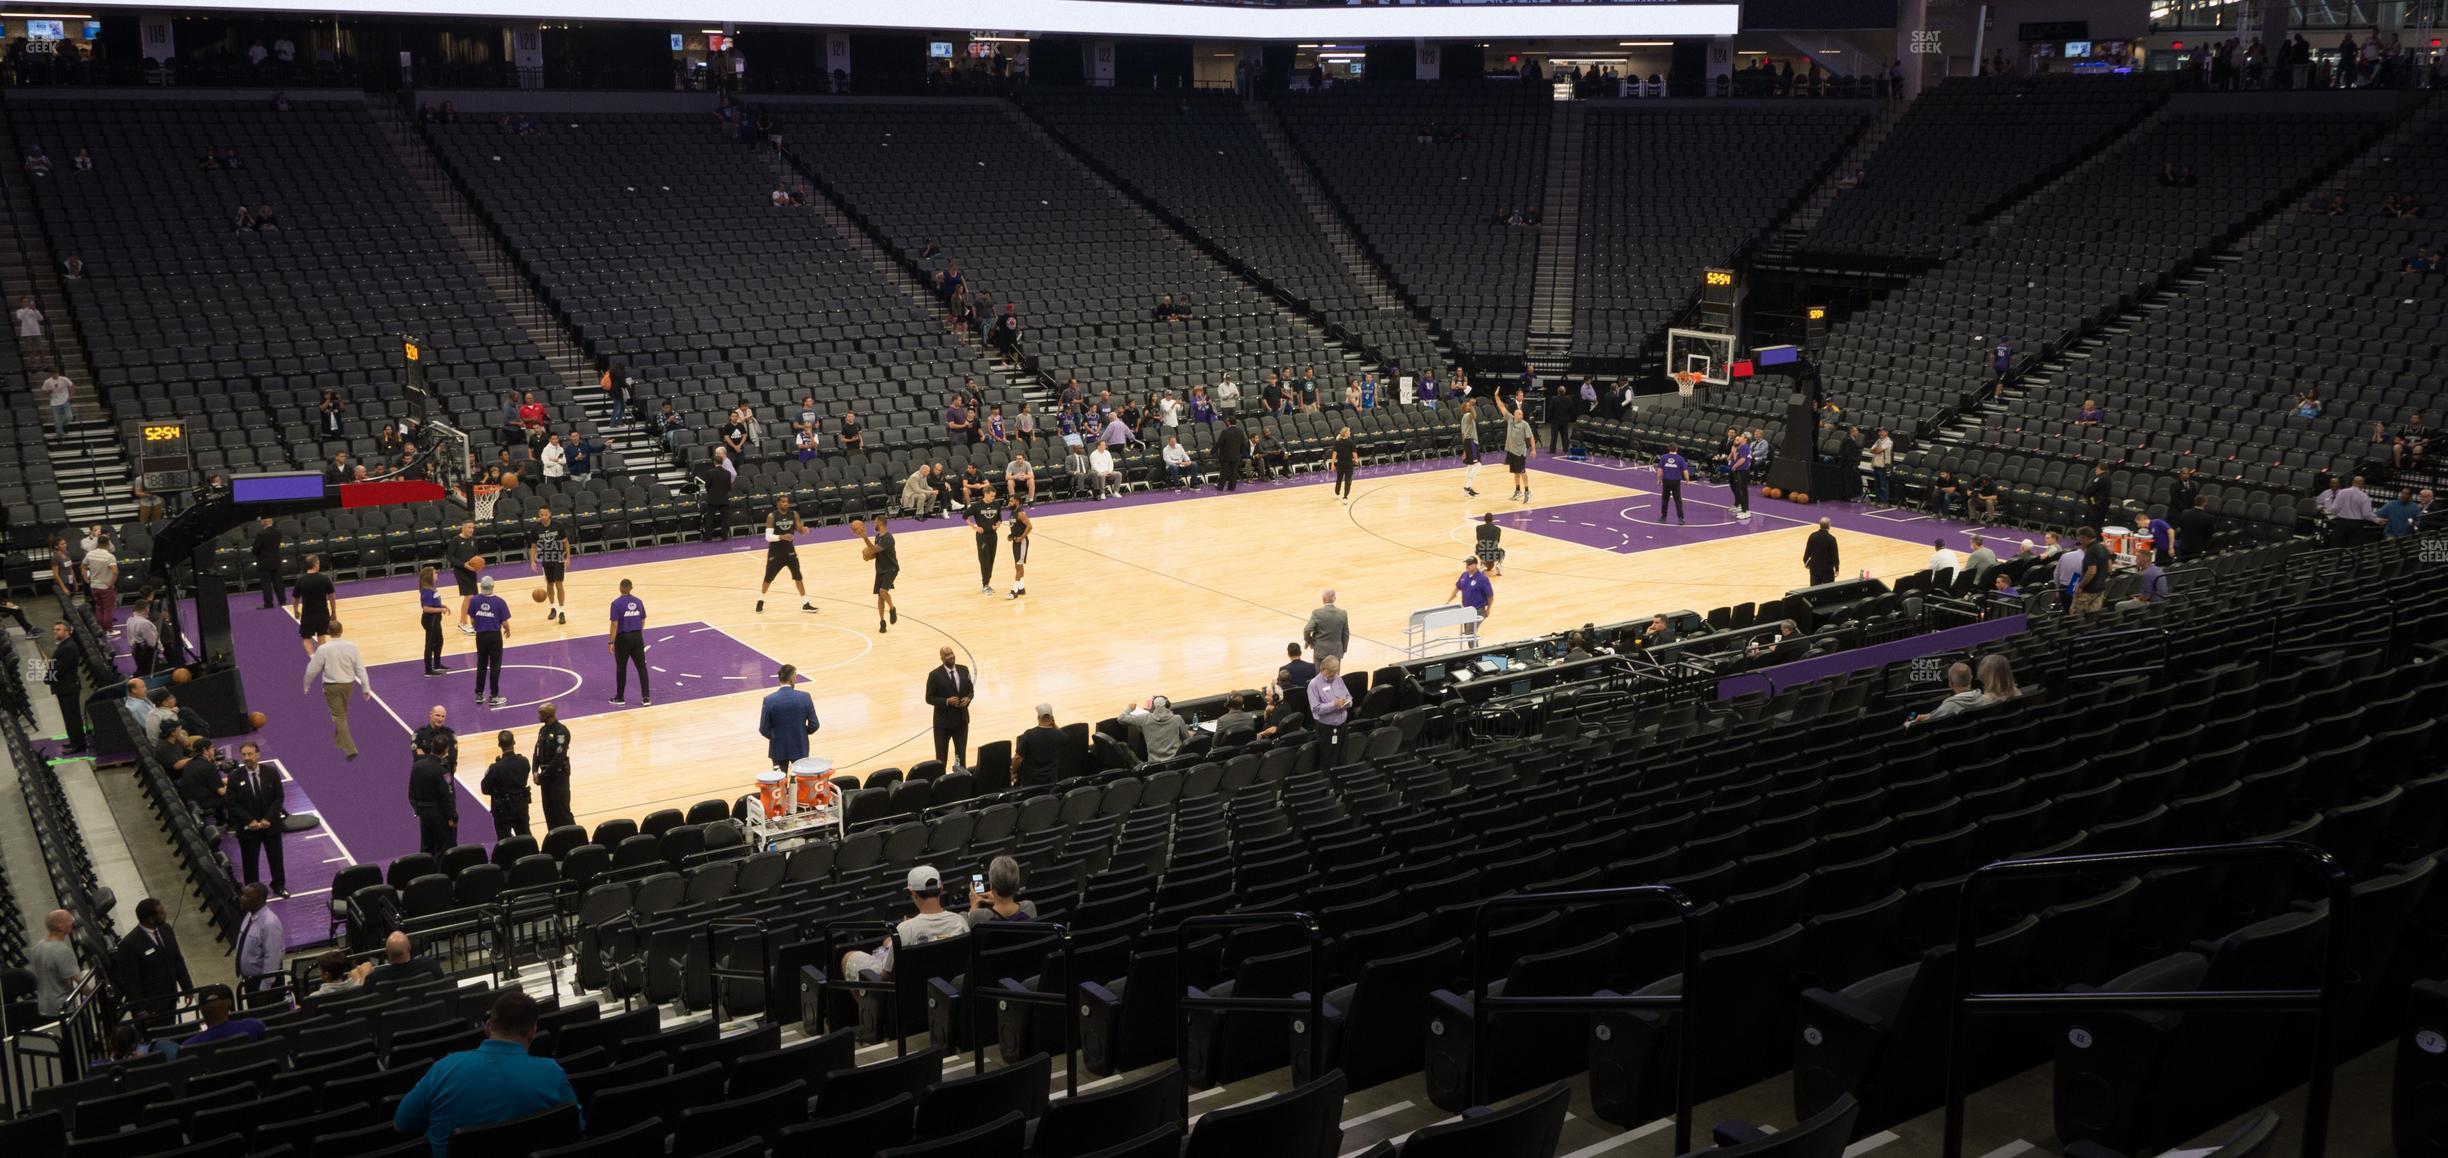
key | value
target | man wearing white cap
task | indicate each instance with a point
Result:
(931, 924)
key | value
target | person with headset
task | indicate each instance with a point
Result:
(1161, 732)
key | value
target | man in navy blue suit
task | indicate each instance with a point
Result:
(787, 720)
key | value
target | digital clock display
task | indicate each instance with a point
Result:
(156, 433)
(1721, 278)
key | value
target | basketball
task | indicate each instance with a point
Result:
(1772, 492)
(182, 676)
(539, 594)
(476, 563)
(1799, 497)
(255, 720)
(858, 527)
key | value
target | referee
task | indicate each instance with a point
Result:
(549, 552)
(628, 644)
(782, 551)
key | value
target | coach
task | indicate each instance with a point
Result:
(949, 689)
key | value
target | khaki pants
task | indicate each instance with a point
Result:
(2087, 603)
(337, 697)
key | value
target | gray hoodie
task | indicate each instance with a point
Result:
(1161, 730)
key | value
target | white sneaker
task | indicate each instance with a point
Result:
(464, 629)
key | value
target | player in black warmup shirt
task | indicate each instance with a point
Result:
(782, 550)
(1021, 526)
(887, 559)
(549, 551)
(984, 515)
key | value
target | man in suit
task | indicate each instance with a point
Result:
(2194, 529)
(949, 690)
(434, 797)
(1328, 633)
(148, 966)
(66, 679)
(1819, 555)
(786, 720)
(268, 563)
(256, 807)
(1231, 447)
(261, 941)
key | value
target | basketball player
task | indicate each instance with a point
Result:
(1521, 445)
(887, 559)
(1020, 528)
(549, 552)
(459, 551)
(782, 552)
(1470, 445)
(1738, 475)
(983, 516)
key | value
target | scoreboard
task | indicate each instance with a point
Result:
(162, 458)
(1720, 299)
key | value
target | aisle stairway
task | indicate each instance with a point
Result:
(637, 453)
(1549, 347)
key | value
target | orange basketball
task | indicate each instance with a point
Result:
(182, 676)
(255, 720)
(539, 594)
(1773, 492)
(476, 563)
(858, 527)
(1799, 497)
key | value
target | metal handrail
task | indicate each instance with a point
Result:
(1314, 1004)
(2321, 1003)
(828, 933)
(716, 973)
(1058, 997)
(1483, 1006)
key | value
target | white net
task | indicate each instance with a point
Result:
(481, 503)
(1700, 352)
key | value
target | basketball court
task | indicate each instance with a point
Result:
(1180, 594)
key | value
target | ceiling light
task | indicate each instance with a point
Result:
(1644, 44)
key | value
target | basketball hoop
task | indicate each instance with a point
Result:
(484, 498)
(1686, 381)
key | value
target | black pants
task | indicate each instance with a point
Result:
(556, 802)
(1228, 472)
(1821, 576)
(72, 719)
(434, 834)
(509, 819)
(433, 642)
(713, 526)
(953, 735)
(488, 663)
(627, 648)
(268, 575)
(267, 841)
(1330, 744)
(986, 561)
(143, 655)
(1343, 480)
(1670, 491)
(1740, 480)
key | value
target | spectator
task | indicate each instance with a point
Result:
(852, 437)
(1946, 493)
(1037, 753)
(918, 494)
(2096, 565)
(54, 962)
(73, 268)
(2401, 516)
(1961, 696)
(265, 220)
(1982, 506)
(2153, 580)
(337, 975)
(2308, 403)
(1000, 899)
(59, 393)
(243, 221)
(1997, 679)
(1943, 562)
(37, 164)
(2195, 530)
(1101, 472)
(29, 319)
(1882, 459)
(2090, 414)
(220, 1026)
(781, 197)
(2413, 441)
(126, 1044)
(1161, 732)
(957, 424)
(2422, 261)
(495, 1082)
(1981, 561)
(1178, 465)
(931, 923)
(400, 964)
(84, 161)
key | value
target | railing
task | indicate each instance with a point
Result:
(829, 933)
(2321, 1003)
(1483, 1006)
(1059, 996)
(718, 972)
(1314, 1004)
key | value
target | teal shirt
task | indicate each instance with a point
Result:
(484, 1086)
